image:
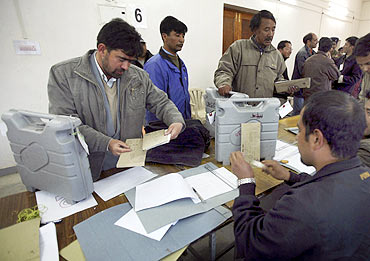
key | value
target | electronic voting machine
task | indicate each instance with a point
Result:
(230, 113)
(49, 153)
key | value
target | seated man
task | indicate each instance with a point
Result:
(109, 96)
(167, 71)
(321, 217)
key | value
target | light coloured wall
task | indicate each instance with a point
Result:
(68, 28)
(364, 27)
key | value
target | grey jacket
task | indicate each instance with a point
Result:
(73, 90)
(250, 70)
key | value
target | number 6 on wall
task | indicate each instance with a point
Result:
(137, 16)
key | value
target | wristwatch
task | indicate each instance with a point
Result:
(246, 181)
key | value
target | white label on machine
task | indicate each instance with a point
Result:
(285, 109)
(81, 138)
(211, 117)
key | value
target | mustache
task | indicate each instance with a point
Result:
(268, 39)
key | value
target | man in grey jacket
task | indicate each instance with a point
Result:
(109, 96)
(252, 65)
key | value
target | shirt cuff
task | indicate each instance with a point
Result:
(247, 189)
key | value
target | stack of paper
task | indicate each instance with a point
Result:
(285, 151)
(137, 155)
(173, 186)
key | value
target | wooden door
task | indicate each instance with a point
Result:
(235, 27)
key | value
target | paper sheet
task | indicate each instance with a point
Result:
(57, 207)
(48, 243)
(132, 222)
(286, 151)
(162, 190)
(136, 157)
(251, 140)
(20, 241)
(155, 138)
(208, 185)
(121, 182)
(285, 109)
(73, 252)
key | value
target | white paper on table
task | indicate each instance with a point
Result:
(285, 109)
(286, 151)
(56, 207)
(48, 243)
(132, 222)
(163, 190)
(208, 185)
(227, 176)
(121, 182)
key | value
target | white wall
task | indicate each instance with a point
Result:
(68, 28)
(365, 19)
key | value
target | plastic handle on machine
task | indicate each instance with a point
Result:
(37, 115)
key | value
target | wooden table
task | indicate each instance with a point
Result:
(11, 205)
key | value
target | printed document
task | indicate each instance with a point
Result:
(136, 157)
(54, 207)
(154, 139)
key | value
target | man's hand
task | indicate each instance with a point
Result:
(117, 147)
(292, 89)
(174, 129)
(276, 170)
(224, 90)
(239, 166)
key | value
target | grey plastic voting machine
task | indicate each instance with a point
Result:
(48, 153)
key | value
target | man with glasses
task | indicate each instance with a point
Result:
(109, 96)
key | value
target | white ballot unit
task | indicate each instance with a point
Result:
(49, 153)
(230, 113)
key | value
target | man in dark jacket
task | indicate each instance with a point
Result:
(320, 217)
(351, 74)
(144, 56)
(321, 69)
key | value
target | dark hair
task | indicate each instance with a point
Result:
(256, 19)
(170, 24)
(339, 117)
(325, 44)
(352, 40)
(282, 44)
(118, 34)
(307, 37)
(362, 47)
(334, 39)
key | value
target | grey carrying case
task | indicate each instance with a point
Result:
(48, 153)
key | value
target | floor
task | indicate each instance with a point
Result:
(12, 184)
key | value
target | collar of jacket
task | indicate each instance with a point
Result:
(165, 56)
(308, 50)
(84, 70)
(322, 53)
(267, 49)
(331, 169)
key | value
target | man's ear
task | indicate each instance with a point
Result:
(317, 139)
(164, 36)
(101, 48)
